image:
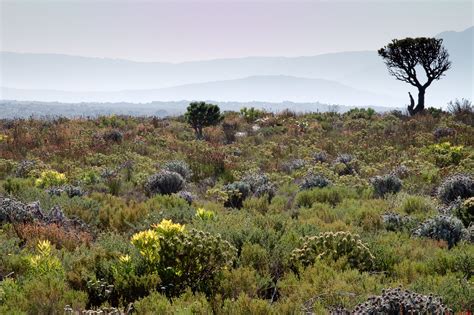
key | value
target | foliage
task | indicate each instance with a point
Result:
(346, 164)
(445, 154)
(180, 167)
(204, 214)
(398, 301)
(200, 115)
(119, 244)
(183, 259)
(387, 184)
(311, 181)
(334, 246)
(442, 227)
(236, 193)
(165, 183)
(465, 211)
(50, 178)
(457, 186)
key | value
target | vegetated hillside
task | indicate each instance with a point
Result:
(270, 213)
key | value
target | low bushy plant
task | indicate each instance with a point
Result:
(457, 186)
(398, 301)
(180, 167)
(334, 245)
(236, 193)
(445, 154)
(183, 259)
(442, 227)
(346, 164)
(50, 178)
(464, 210)
(314, 181)
(164, 183)
(387, 184)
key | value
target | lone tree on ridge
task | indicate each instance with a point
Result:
(404, 56)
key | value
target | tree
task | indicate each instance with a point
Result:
(403, 56)
(200, 115)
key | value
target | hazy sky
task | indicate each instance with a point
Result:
(183, 30)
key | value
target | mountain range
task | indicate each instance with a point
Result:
(349, 78)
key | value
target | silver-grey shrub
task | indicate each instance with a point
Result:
(164, 183)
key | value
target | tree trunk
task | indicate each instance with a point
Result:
(421, 103)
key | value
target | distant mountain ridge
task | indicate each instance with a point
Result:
(355, 77)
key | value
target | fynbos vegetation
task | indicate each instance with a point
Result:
(238, 213)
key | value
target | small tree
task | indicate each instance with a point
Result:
(402, 56)
(200, 115)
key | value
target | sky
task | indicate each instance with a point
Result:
(186, 30)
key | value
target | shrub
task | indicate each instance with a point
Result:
(394, 221)
(200, 115)
(50, 179)
(180, 167)
(251, 114)
(44, 262)
(444, 154)
(320, 157)
(462, 110)
(442, 132)
(387, 184)
(164, 183)
(186, 195)
(456, 186)
(442, 227)
(236, 193)
(331, 195)
(184, 259)
(69, 190)
(415, 204)
(205, 215)
(465, 211)
(346, 164)
(314, 181)
(113, 136)
(56, 234)
(293, 165)
(24, 168)
(398, 301)
(334, 246)
(260, 184)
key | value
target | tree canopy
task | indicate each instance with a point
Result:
(403, 56)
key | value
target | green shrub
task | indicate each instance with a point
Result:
(236, 193)
(465, 211)
(416, 204)
(444, 154)
(334, 246)
(330, 195)
(183, 259)
(50, 179)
